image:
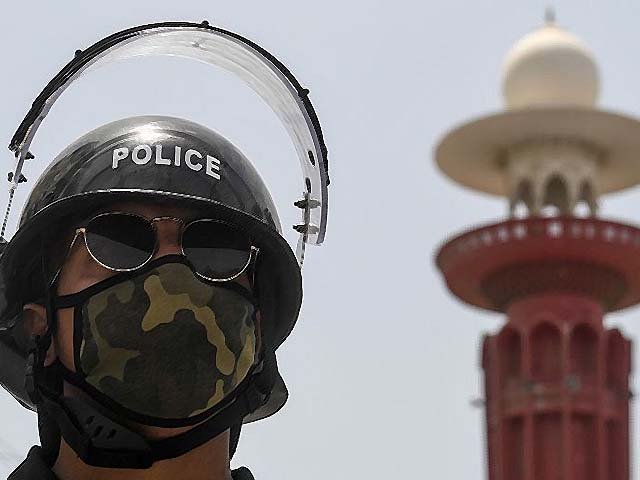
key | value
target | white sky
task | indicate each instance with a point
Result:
(384, 362)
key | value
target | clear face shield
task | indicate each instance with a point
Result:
(258, 68)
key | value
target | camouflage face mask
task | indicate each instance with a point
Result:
(160, 346)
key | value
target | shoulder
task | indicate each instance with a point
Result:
(34, 467)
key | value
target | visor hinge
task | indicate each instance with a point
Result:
(22, 178)
(306, 228)
(28, 156)
(306, 203)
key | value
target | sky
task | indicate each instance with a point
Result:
(384, 363)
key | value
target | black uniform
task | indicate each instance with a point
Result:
(35, 467)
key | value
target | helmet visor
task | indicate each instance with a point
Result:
(257, 67)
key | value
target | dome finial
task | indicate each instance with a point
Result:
(550, 15)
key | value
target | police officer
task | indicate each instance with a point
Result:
(148, 286)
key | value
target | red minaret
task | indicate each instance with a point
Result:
(556, 380)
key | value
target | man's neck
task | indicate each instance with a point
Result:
(207, 462)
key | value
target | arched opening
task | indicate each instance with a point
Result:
(587, 199)
(547, 447)
(524, 194)
(546, 352)
(616, 442)
(509, 356)
(556, 194)
(513, 448)
(617, 365)
(521, 204)
(584, 353)
(584, 438)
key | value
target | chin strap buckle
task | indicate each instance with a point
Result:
(96, 439)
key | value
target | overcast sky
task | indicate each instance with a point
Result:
(383, 363)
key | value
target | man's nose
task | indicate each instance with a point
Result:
(168, 236)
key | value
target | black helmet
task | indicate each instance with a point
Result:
(166, 160)
(173, 161)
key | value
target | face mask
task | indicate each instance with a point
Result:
(160, 346)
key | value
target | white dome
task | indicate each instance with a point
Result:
(550, 67)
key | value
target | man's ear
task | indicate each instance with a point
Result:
(34, 320)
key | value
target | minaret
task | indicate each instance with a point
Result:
(556, 380)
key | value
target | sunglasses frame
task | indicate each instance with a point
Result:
(82, 231)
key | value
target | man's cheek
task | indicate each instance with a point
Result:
(80, 272)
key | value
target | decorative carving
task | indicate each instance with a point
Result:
(552, 176)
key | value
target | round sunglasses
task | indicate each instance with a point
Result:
(123, 242)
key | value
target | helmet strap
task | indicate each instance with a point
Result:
(101, 441)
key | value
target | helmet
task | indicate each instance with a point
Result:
(172, 161)
(165, 160)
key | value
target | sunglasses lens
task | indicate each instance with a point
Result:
(216, 250)
(120, 241)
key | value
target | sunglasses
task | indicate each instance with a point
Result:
(123, 242)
